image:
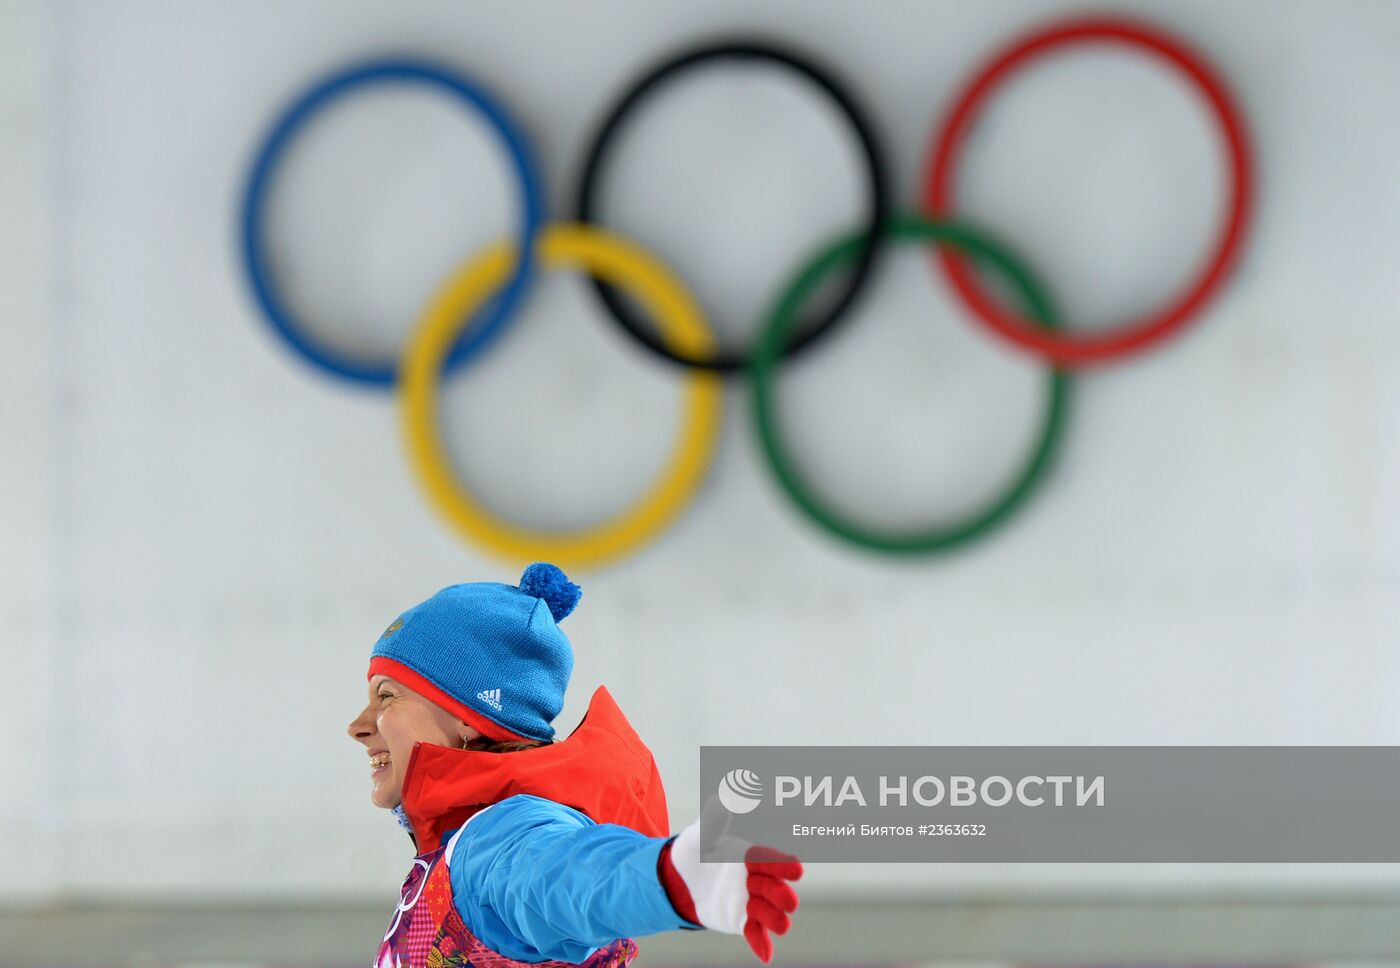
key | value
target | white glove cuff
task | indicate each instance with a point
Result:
(720, 890)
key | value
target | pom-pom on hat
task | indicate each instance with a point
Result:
(491, 654)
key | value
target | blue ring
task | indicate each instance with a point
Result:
(492, 317)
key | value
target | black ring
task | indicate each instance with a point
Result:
(878, 192)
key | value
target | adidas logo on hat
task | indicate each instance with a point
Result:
(492, 697)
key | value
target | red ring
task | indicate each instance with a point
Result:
(938, 193)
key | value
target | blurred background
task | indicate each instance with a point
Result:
(203, 534)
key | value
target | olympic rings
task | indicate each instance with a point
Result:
(877, 189)
(479, 298)
(1135, 336)
(779, 326)
(621, 263)
(282, 133)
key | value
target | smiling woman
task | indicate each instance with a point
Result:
(559, 852)
(395, 719)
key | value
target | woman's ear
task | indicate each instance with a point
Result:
(465, 733)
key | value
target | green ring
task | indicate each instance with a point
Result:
(778, 330)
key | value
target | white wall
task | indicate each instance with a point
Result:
(203, 538)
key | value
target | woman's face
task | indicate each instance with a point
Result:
(395, 719)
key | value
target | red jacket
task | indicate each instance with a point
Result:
(602, 769)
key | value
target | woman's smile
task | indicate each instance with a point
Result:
(379, 763)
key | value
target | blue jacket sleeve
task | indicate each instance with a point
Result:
(538, 881)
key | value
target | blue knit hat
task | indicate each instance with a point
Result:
(491, 654)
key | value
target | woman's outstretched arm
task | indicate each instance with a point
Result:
(536, 880)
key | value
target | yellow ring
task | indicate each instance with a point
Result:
(613, 260)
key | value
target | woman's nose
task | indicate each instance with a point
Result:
(360, 725)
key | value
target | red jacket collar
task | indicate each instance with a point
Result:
(602, 769)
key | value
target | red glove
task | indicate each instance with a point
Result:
(751, 898)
